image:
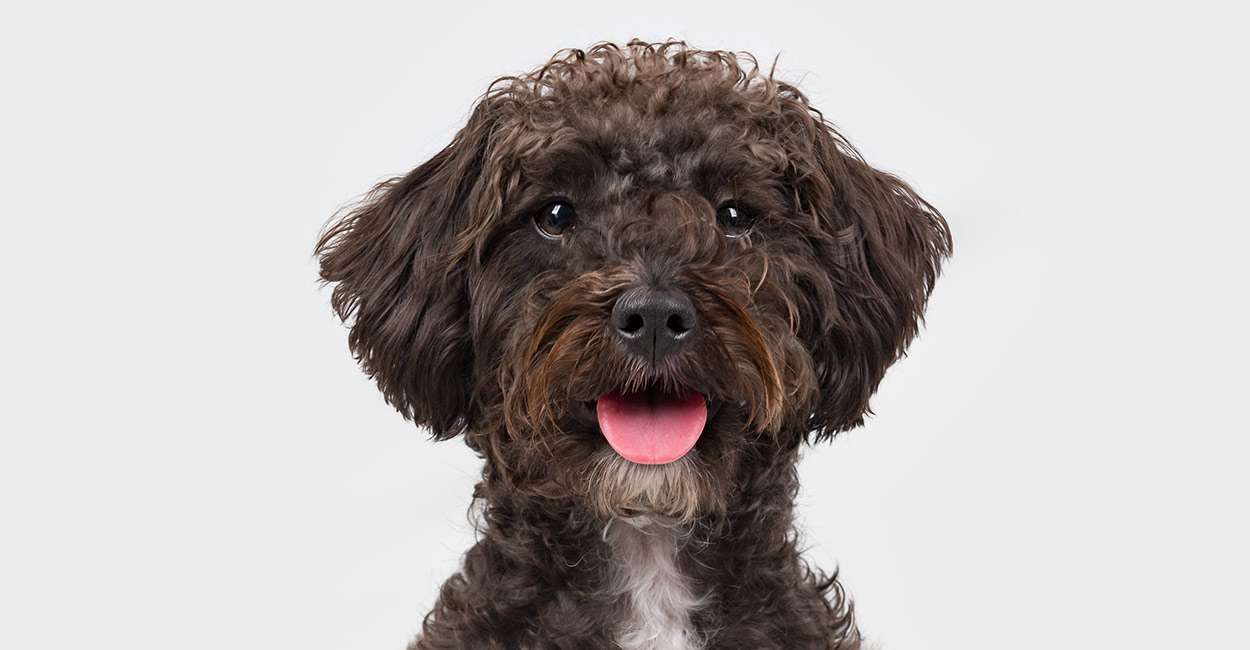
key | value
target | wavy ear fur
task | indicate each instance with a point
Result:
(394, 259)
(882, 249)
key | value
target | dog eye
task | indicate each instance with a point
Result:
(734, 220)
(555, 218)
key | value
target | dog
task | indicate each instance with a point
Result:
(637, 282)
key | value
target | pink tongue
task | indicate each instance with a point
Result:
(651, 428)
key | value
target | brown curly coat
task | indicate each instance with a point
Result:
(473, 322)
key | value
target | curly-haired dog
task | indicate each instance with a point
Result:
(637, 281)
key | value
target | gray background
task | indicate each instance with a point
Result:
(191, 458)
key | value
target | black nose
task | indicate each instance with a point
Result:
(654, 324)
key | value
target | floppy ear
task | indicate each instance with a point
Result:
(401, 276)
(881, 249)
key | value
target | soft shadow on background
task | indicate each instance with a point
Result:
(190, 456)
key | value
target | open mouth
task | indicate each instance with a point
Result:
(652, 426)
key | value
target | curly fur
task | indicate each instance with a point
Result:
(473, 323)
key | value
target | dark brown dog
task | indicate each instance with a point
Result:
(637, 282)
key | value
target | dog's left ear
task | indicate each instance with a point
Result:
(400, 273)
(879, 249)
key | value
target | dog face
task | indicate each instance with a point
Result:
(635, 278)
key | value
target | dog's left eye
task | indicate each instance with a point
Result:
(555, 218)
(734, 220)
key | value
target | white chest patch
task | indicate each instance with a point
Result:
(661, 598)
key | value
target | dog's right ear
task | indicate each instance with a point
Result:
(400, 273)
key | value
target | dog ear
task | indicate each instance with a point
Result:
(400, 273)
(880, 248)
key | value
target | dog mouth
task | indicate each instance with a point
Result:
(652, 426)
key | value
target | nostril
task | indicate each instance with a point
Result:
(677, 324)
(633, 324)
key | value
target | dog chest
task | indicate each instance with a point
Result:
(661, 599)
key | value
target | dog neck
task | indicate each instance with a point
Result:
(547, 572)
(646, 572)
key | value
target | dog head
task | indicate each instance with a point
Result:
(635, 278)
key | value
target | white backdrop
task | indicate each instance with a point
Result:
(191, 458)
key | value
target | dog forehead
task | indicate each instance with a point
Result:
(618, 152)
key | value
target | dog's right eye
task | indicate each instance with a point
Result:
(555, 218)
